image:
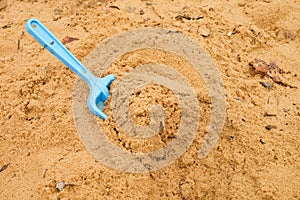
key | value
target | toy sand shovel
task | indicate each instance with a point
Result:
(98, 86)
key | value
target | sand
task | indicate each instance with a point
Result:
(257, 154)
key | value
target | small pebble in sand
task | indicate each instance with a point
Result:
(266, 84)
(269, 127)
(60, 185)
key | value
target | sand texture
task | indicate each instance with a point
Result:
(258, 153)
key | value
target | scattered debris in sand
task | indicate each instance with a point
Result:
(289, 35)
(6, 26)
(203, 31)
(68, 39)
(44, 173)
(266, 84)
(269, 114)
(4, 167)
(269, 127)
(272, 71)
(60, 185)
(115, 7)
(187, 17)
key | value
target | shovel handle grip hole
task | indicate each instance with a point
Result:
(33, 26)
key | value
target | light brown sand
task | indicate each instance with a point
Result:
(38, 136)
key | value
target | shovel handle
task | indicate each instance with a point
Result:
(53, 45)
(98, 86)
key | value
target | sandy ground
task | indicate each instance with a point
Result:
(39, 142)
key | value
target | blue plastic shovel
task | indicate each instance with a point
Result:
(98, 86)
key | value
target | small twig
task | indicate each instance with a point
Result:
(181, 17)
(6, 26)
(4, 167)
(269, 115)
(19, 42)
(116, 7)
(44, 173)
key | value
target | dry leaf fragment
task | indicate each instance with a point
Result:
(271, 70)
(274, 65)
(280, 81)
(260, 66)
(68, 39)
(289, 35)
(276, 79)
